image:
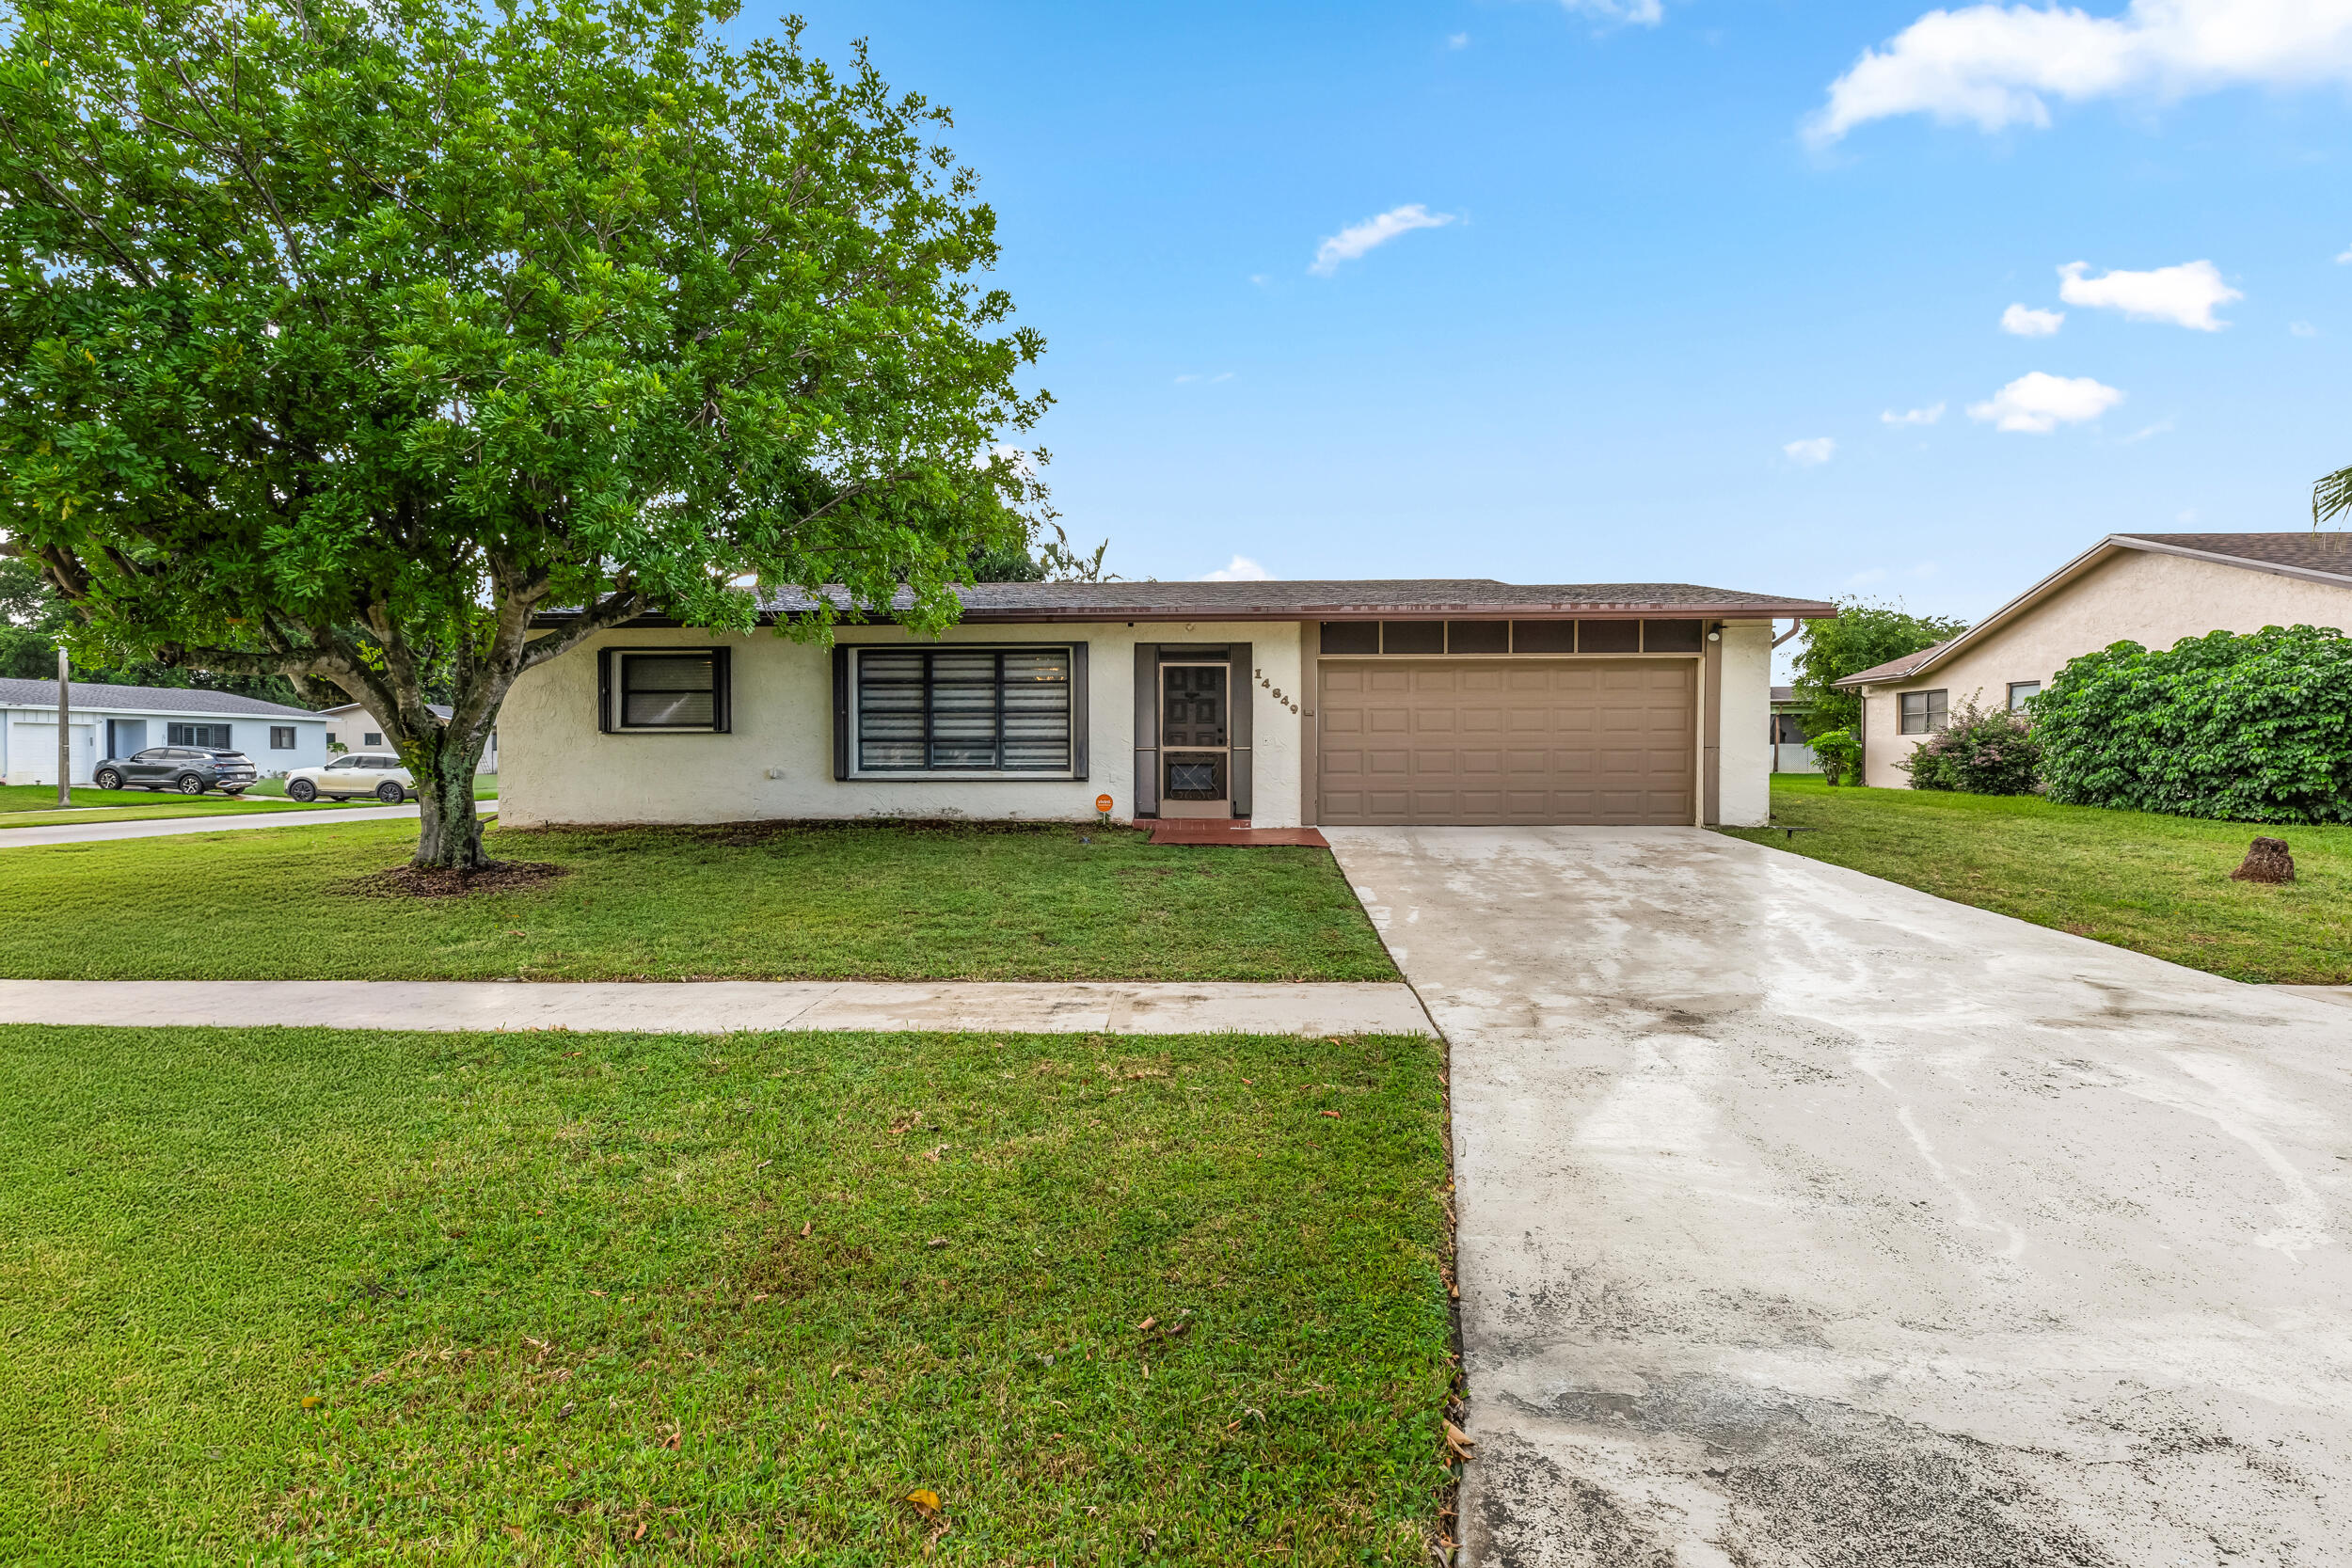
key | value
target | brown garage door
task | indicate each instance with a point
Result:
(1605, 742)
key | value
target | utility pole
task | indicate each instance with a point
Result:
(65, 733)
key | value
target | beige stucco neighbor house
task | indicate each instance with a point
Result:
(2152, 589)
(1283, 703)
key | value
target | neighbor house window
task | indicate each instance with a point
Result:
(2019, 691)
(664, 690)
(373, 737)
(215, 736)
(281, 737)
(963, 710)
(1923, 712)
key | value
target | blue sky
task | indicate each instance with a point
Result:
(1680, 242)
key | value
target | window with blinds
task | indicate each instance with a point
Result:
(976, 711)
(664, 690)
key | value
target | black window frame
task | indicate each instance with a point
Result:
(848, 714)
(288, 744)
(1936, 714)
(613, 672)
(372, 737)
(182, 733)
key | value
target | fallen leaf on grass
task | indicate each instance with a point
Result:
(1333, 1115)
(926, 1501)
(515, 1530)
(1458, 1443)
(598, 1294)
(763, 1165)
(312, 1402)
(936, 1241)
(934, 1154)
(1145, 1324)
(806, 1228)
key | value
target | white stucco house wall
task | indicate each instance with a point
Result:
(351, 727)
(1280, 704)
(117, 720)
(2152, 589)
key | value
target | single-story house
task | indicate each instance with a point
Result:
(1283, 703)
(117, 720)
(1791, 752)
(352, 728)
(2152, 589)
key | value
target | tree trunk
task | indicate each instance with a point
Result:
(449, 835)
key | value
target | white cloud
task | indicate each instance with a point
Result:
(2303, 330)
(2039, 403)
(2020, 321)
(1811, 454)
(1916, 416)
(2145, 431)
(2343, 258)
(1644, 13)
(1458, 40)
(1357, 238)
(1240, 569)
(1992, 66)
(2183, 296)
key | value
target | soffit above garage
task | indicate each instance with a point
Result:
(1341, 599)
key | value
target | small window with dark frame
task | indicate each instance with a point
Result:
(963, 710)
(668, 690)
(1923, 712)
(373, 737)
(213, 736)
(2020, 693)
(281, 737)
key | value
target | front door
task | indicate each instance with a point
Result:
(1196, 743)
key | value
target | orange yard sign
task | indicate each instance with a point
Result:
(1103, 804)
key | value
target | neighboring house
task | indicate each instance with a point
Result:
(2152, 589)
(1286, 704)
(1790, 754)
(355, 729)
(116, 721)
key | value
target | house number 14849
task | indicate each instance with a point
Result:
(1276, 691)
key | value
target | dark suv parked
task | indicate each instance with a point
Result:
(189, 770)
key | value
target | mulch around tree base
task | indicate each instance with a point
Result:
(408, 882)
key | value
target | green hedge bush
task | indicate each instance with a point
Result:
(2252, 728)
(1981, 751)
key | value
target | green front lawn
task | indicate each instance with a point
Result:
(485, 787)
(2155, 884)
(123, 805)
(540, 1298)
(847, 901)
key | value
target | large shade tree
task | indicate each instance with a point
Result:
(347, 341)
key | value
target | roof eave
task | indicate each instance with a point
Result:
(1798, 609)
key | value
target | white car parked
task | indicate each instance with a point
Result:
(376, 773)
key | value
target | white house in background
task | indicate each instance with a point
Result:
(353, 728)
(118, 721)
(1320, 704)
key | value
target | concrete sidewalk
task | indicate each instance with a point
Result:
(714, 1006)
(98, 833)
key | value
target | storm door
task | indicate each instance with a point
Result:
(1196, 739)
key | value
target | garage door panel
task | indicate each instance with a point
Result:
(1606, 742)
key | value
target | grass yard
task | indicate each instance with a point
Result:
(833, 902)
(2156, 884)
(539, 1298)
(123, 805)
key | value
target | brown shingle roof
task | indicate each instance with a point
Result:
(1896, 669)
(2306, 552)
(1348, 598)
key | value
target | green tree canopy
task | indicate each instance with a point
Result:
(340, 339)
(1864, 634)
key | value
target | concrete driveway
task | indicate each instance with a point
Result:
(1805, 1219)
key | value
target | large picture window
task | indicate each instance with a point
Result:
(213, 735)
(963, 710)
(664, 690)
